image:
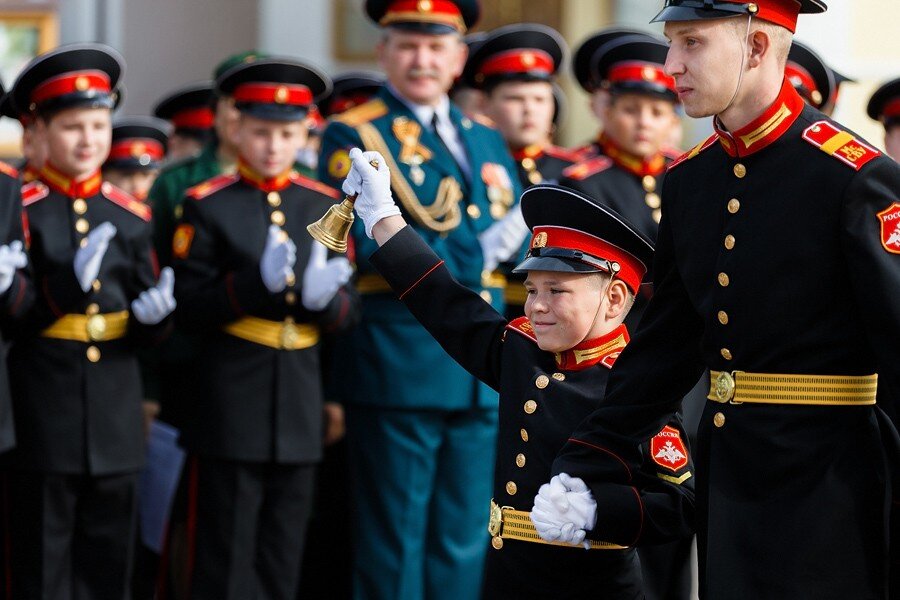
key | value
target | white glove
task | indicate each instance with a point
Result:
(155, 304)
(322, 277)
(564, 510)
(373, 186)
(277, 263)
(88, 258)
(12, 257)
(502, 240)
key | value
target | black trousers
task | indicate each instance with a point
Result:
(251, 524)
(71, 536)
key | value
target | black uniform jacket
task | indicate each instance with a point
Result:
(775, 255)
(257, 403)
(543, 397)
(78, 403)
(542, 164)
(13, 301)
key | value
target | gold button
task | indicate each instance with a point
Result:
(657, 215)
(734, 205)
(290, 298)
(486, 295)
(541, 382)
(530, 407)
(511, 488)
(718, 419)
(649, 183)
(93, 353)
(726, 353)
(723, 317)
(528, 163)
(497, 542)
(723, 279)
(274, 199)
(290, 280)
(520, 460)
(524, 434)
(729, 242)
(92, 309)
(652, 200)
(559, 376)
(473, 211)
(278, 217)
(498, 210)
(535, 177)
(83, 242)
(96, 285)
(740, 171)
(79, 206)
(82, 226)
(178, 211)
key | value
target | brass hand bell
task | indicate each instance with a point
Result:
(333, 228)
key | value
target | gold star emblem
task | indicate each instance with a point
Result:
(137, 149)
(540, 240)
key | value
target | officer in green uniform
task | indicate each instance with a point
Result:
(421, 430)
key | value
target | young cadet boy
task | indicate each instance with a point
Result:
(74, 372)
(884, 106)
(138, 149)
(550, 366)
(189, 110)
(260, 293)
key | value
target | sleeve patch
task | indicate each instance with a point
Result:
(667, 449)
(523, 326)
(181, 241)
(840, 144)
(890, 228)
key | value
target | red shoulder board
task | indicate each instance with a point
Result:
(202, 190)
(694, 151)
(523, 326)
(9, 170)
(125, 200)
(587, 168)
(312, 184)
(563, 153)
(672, 152)
(840, 144)
(667, 449)
(34, 191)
(486, 121)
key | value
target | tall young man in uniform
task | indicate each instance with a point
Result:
(75, 379)
(775, 269)
(421, 430)
(259, 292)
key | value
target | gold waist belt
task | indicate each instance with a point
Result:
(509, 524)
(89, 328)
(281, 335)
(738, 387)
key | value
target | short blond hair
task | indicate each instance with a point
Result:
(780, 37)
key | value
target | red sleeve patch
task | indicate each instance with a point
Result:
(890, 228)
(202, 190)
(9, 170)
(667, 449)
(585, 169)
(122, 198)
(312, 184)
(34, 191)
(523, 326)
(694, 151)
(840, 144)
(181, 241)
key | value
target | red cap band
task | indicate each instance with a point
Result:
(424, 11)
(136, 148)
(798, 76)
(780, 12)
(641, 72)
(631, 270)
(69, 83)
(521, 60)
(891, 109)
(274, 93)
(194, 118)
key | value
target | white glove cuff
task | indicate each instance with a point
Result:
(381, 212)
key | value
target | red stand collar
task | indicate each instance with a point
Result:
(604, 349)
(632, 163)
(271, 184)
(764, 129)
(62, 183)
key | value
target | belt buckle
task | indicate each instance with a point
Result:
(96, 327)
(495, 524)
(289, 335)
(725, 388)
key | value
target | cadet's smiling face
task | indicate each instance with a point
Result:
(77, 139)
(422, 67)
(566, 308)
(523, 111)
(269, 147)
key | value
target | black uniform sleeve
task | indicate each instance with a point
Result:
(145, 276)
(209, 296)
(18, 299)
(873, 268)
(466, 326)
(652, 375)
